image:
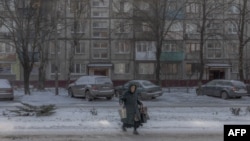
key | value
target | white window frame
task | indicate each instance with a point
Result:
(232, 28)
(82, 47)
(100, 14)
(82, 68)
(121, 68)
(100, 50)
(169, 47)
(145, 46)
(192, 47)
(100, 34)
(101, 3)
(214, 50)
(146, 27)
(193, 8)
(100, 24)
(122, 48)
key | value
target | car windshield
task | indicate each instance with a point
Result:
(103, 80)
(147, 83)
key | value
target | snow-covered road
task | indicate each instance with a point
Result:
(176, 116)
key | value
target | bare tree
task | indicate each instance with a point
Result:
(158, 16)
(22, 19)
(239, 19)
(80, 9)
(204, 15)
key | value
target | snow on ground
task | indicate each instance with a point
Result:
(170, 113)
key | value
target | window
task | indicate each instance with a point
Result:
(192, 68)
(100, 50)
(5, 68)
(80, 48)
(100, 14)
(176, 27)
(145, 27)
(192, 8)
(79, 68)
(233, 9)
(100, 24)
(169, 47)
(170, 68)
(122, 27)
(214, 26)
(191, 28)
(6, 48)
(53, 68)
(192, 47)
(145, 46)
(100, 34)
(122, 47)
(78, 28)
(122, 6)
(75, 5)
(232, 28)
(214, 50)
(53, 47)
(233, 48)
(121, 68)
(100, 3)
(146, 68)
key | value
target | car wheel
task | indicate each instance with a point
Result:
(109, 98)
(87, 96)
(224, 95)
(70, 92)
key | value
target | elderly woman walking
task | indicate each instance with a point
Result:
(131, 102)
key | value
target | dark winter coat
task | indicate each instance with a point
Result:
(131, 103)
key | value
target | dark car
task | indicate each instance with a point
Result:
(6, 90)
(92, 86)
(145, 88)
(223, 88)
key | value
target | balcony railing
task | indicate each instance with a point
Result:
(172, 56)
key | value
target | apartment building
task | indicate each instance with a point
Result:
(106, 39)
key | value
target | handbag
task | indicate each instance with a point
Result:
(144, 114)
(122, 111)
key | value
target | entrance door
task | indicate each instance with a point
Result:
(100, 72)
(216, 74)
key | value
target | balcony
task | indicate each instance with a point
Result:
(172, 56)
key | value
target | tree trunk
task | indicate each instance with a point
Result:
(241, 69)
(26, 75)
(41, 77)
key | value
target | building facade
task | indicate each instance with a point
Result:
(106, 39)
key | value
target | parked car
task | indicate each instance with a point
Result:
(92, 86)
(223, 88)
(6, 90)
(145, 88)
